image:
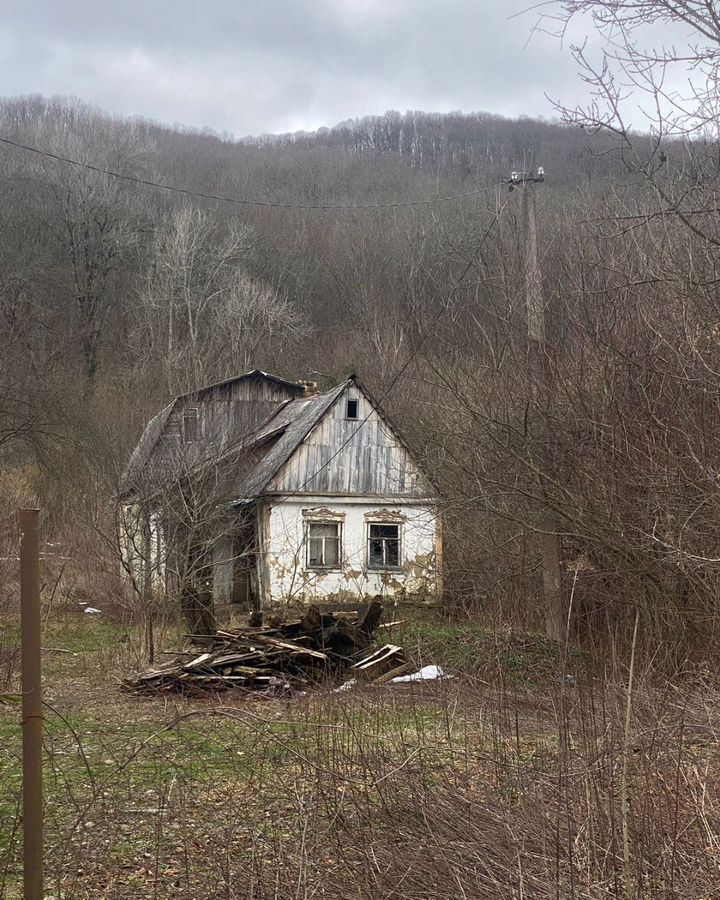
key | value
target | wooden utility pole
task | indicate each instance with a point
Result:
(32, 720)
(541, 386)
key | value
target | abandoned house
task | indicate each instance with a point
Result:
(262, 491)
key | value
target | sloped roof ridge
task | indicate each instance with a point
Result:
(257, 372)
(251, 438)
(144, 447)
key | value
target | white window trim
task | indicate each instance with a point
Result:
(355, 418)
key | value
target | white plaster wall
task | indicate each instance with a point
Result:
(133, 550)
(286, 557)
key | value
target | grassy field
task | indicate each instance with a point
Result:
(516, 778)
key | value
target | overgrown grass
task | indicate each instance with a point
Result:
(459, 789)
(468, 648)
(85, 636)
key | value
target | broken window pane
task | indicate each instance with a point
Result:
(383, 546)
(315, 552)
(324, 544)
(331, 552)
(392, 552)
(376, 554)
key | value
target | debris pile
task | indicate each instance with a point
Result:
(315, 647)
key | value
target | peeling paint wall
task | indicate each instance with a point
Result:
(285, 551)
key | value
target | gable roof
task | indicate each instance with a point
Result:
(154, 428)
(290, 426)
(260, 455)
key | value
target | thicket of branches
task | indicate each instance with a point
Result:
(115, 297)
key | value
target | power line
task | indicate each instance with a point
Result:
(239, 201)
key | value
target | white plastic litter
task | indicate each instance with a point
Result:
(427, 673)
(346, 686)
(91, 611)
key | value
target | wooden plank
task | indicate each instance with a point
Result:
(370, 621)
(384, 659)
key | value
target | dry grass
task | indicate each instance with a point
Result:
(492, 787)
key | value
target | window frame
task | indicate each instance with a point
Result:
(368, 538)
(192, 413)
(348, 401)
(339, 538)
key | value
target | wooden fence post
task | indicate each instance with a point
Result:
(32, 717)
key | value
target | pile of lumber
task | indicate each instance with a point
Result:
(280, 654)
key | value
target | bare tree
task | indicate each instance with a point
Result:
(178, 537)
(203, 314)
(654, 87)
(90, 217)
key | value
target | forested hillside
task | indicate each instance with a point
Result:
(116, 296)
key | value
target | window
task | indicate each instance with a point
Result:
(383, 546)
(323, 545)
(190, 425)
(351, 411)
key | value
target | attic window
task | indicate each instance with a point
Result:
(190, 425)
(351, 410)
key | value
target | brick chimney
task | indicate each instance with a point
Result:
(310, 388)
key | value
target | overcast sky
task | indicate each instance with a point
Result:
(258, 66)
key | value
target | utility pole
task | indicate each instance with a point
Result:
(32, 720)
(540, 378)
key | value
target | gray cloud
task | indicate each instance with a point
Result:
(253, 66)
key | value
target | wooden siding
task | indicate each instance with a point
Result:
(226, 414)
(350, 456)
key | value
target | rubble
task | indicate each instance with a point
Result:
(316, 647)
